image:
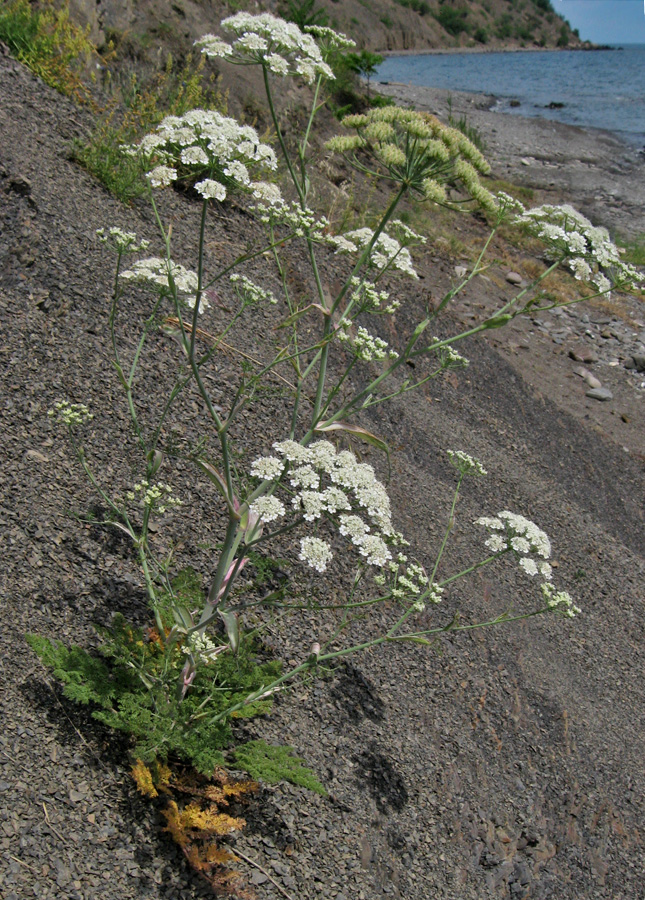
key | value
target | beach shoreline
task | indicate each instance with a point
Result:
(595, 170)
(451, 51)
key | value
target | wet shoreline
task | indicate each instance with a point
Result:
(595, 170)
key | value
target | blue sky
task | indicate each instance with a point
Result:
(605, 21)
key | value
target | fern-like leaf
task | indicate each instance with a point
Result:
(273, 764)
(86, 679)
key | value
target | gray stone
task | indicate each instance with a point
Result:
(639, 362)
(585, 374)
(583, 354)
(600, 393)
(514, 278)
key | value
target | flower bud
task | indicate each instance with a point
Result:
(155, 458)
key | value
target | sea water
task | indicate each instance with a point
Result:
(593, 89)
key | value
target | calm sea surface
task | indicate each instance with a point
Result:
(598, 89)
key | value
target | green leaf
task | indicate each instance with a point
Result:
(85, 678)
(266, 762)
(497, 321)
(232, 627)
(294, 317)
(217, 480)
(357, 430)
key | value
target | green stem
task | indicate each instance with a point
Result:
(283, 146)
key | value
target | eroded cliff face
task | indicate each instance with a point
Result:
(380, 25)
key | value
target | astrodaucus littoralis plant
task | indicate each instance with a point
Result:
(308, 493)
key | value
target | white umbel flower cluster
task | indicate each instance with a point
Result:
(316, 553)
(250, 292)
(206, 144)
(512, 532)
(122, 241)
(366, 297)
(211, 190)
(366, 346)
(158, 274)
(200, 646)
(279, 47)
(387, 252)
(336, 486)
(559, 601)
(267, 467)
(302, 222)
(465, 464)
(268, 508)
(587, 250)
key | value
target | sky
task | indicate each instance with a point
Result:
(605, 21)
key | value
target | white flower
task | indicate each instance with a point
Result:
(434, 593)
(268, 193)
(354, 528)
(267, 467)
(211, 190)
(368, 347)
(237, 171)
(489, 522)
(122, 241)
(386, 252)
(315, 553)
(322, 455)
(277, 64)
(312, 502)
(194, 156)
(250, 292)
(519, 525)
(267, 508)
(520, 545)
(335, 499)
(202, 647)
(70, 414)
(587, 250)
(162, 274)
(162, 176)
(529, 565)
(305, 477)
(335, 40)
(157, 497)
(292, 450)
(559, 601)
(465, 464)
(496, 543)
(213, 46)
(271, 42)
(375, 550)
(199, 139)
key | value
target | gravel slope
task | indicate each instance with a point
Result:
(500, 764)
